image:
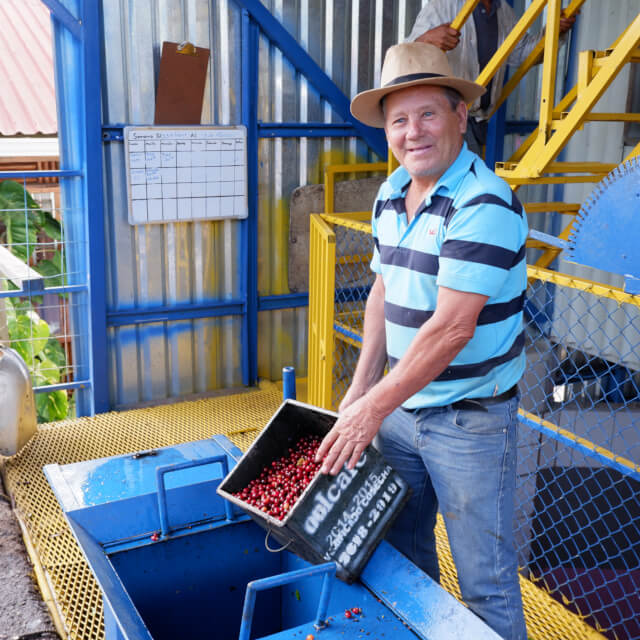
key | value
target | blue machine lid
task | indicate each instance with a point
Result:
(116, 498)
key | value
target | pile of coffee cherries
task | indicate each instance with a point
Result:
(281, 483)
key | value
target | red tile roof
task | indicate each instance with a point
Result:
(27, 96)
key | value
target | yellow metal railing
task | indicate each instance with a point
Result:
(330, 177)
(532, 59)
(596, 72)
(322, 259)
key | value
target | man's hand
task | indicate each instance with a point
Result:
(567, 23)
(443, 37)
(355, 428)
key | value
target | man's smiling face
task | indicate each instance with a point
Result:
(424, 131)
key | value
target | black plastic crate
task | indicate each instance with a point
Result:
(340, 518)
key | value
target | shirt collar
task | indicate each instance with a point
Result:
(450, 179)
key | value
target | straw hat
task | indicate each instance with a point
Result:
(407, 65)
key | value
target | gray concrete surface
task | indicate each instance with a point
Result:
(350, 195)
(23, 614)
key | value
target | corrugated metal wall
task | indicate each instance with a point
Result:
(165, 265)
(170, 264)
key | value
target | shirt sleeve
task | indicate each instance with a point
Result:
(483, 241)
(528, 41)
(432, 15)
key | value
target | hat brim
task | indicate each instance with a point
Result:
(366, 106)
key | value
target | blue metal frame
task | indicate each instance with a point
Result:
(283, 301)
(582, 448)
(77, 60)
(326, 570)
(62, 15)
(256, 18)
(94, 199)
(316, 77)
(19, 175)
(81, 126)
(214, 309)
(305, 130)
(165, 529)
(249, 242)
(114, 132)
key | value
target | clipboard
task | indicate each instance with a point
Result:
(181, 82)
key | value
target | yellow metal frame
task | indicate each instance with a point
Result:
(322, 260)
(582, 284)
(579, 440)
(595, 73)
(75, 596)
(465, 12)
(330, 178)
(546, 619)
(357, 220)
(532, 59)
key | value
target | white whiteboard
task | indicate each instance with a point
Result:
(177, 174)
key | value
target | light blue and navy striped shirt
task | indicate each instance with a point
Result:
(469, 235)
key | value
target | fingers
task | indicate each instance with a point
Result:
(448, 43)
(355, 456)
(450, 38)
(337, 456)
(566, 23)
(442, 36)
(325, 445)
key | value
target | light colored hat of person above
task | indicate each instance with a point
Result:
(410, 64)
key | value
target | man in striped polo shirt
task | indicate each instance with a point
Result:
(445, 313)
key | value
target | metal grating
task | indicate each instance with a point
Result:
(63, 574)
(64, 577)
(546, 618)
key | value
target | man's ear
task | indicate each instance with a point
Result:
(461, 111)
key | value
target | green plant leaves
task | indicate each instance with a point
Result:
(52, 406)
(29, 334)
(23, 219)
(24, 226)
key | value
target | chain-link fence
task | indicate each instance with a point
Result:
(578, 507)
(578, 492)
(354, 279)
(37, 298)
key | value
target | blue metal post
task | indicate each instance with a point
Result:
(249, 234)
(93, 198)
(288, 383)
(77, 46)
(323, 604)
(307, 66)
(495, 137)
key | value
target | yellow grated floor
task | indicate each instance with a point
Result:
(64, 577)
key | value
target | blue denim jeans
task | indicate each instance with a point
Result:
(462, 462)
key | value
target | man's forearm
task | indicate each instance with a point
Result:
(429, 354)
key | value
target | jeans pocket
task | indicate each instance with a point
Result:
(495, 420)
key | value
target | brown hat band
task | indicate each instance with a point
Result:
(413, 76)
